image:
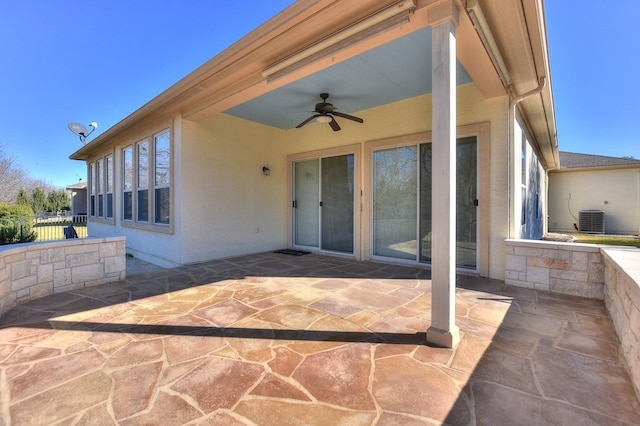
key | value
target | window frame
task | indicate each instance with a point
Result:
(148, 220)
(142, 180)
(100, 187)
(482, 131)
(92, 191)
(127, 179)
(98, 182)
(108, 186)
(164, 184)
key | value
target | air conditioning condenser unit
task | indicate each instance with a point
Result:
(591, 221)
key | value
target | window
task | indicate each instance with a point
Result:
(162, 178)
(108, 187)
(92, 189)
(127, 183)
(143, 181)
(100, 187)
(146, 182)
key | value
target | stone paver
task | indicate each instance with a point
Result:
(272, 339)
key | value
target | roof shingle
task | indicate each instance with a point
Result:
(572, 160)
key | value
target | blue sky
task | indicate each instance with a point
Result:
(100, 60)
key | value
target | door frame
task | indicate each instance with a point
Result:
(482, 133)
(354, 150)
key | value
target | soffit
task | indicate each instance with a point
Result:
(233, 80)
(520, 32)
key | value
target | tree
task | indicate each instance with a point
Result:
(12, 178)
(23, 198)
(38, 200)
(58, 200)
(16, 224)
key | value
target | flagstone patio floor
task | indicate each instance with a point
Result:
(272, 339)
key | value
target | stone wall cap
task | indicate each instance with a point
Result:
(8, 249)
(626, 258)
(554, 245)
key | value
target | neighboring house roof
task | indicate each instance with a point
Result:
(77, 186)
(572, 160)
(239, 81)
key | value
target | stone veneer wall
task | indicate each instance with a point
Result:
(33, 270)
(622, 297)
(608, 273)
(567, 268)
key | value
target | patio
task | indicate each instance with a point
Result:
(272, 339)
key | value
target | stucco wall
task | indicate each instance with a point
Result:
(616, 192)
(224, 206)
(79, 202)
(413, 116)
(473, 108)
(161, 245)
(227, 206)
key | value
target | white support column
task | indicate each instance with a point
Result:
(443, 330)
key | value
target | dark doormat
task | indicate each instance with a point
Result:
(292, 252)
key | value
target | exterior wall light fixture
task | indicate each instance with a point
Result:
(266, 171)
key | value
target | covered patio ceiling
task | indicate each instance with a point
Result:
(371, 68)
(397, 70)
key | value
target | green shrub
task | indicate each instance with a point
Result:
(16, 224)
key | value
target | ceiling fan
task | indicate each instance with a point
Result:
(326, 113)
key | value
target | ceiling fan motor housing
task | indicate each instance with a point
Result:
(325, 109)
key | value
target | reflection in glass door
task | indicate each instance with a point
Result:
(323, 211)
(402, 203)
(306, 213)
(467, 203)
(394, 203)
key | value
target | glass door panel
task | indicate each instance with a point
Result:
(395, 203)
(306, 212)
(466, 201)
(337, 203)
(466, 209)
(425, 203)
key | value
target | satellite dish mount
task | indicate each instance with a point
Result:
(81, 131)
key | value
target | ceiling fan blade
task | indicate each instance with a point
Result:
(334, 124)
(347, 116)
(307, 120)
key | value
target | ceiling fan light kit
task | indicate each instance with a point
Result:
(325, 113)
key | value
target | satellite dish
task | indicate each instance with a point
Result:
(78, 129)
(81, 131)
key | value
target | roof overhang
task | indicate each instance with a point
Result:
(245, 71)
(519, 30)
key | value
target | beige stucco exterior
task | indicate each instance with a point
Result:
(222, 204)
(189, 184)
(616, 191)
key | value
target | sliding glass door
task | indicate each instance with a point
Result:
(402, 203)
(395, 203)
(323, 200)
(305, 205)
